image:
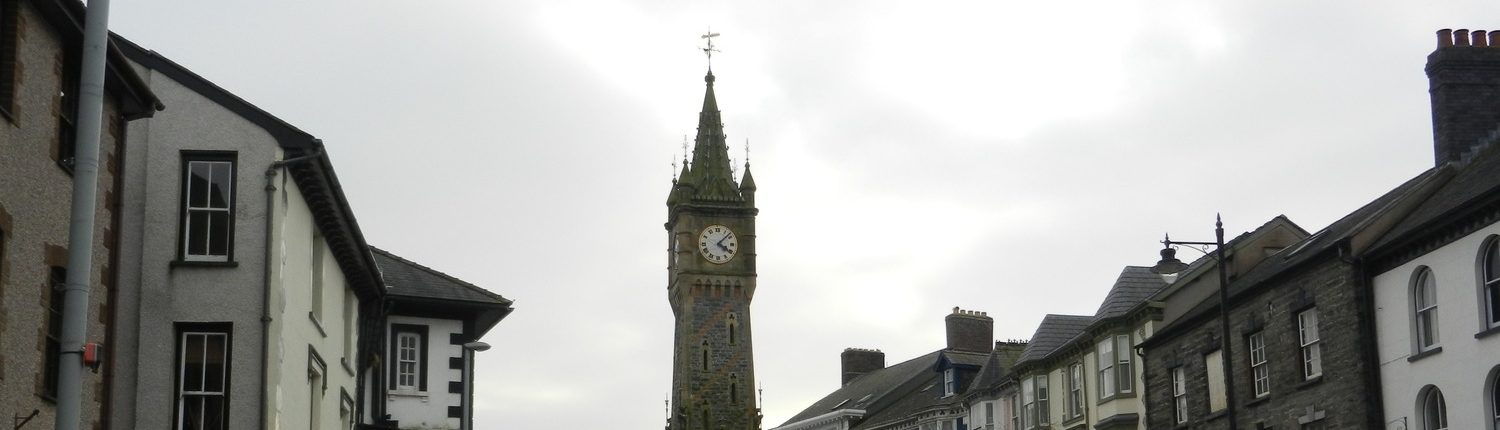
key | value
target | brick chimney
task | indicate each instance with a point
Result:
(1464, 79)
(970, 331)
(858, 361)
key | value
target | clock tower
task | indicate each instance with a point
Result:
(710, 282)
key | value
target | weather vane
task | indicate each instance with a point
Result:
(747, 152)
(710, 50)
(684, 150)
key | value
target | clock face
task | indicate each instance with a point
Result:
(717, 244)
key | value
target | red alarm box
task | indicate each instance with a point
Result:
(93, 355)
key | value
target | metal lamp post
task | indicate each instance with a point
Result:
(469, 350)
(1169, 265)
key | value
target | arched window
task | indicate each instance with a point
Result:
(734, 388)
(1489, 263)
(1424, 309)
(1494, 394)
(1432, 411)
(705, 354)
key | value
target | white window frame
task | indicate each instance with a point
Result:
(415, 374)
(1489, 263)
(950, 382)
(1179, 395)
(1124, 371)
(1260, 373)
(1311, 343)
(1433, 412)
(1424, 310)
(1043, 407)
(1075, 390)
(1105, 356)
(1028, 403)
(213, 163)
(202, 394)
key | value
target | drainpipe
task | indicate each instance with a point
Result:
(81, 228)
(265, 298)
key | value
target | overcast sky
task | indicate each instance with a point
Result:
(911, 156)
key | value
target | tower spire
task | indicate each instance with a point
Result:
(710, 172)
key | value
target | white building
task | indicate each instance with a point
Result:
(432, 317)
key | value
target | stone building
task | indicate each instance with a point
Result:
(711, 281)
(250, 296)
(40, 44)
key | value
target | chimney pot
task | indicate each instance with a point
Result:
(1465, 88)
(1445, 38)
(1478, 37)
(1461, 37)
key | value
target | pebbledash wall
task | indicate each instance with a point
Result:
(429, 408)
(157, 291)
(35, 203)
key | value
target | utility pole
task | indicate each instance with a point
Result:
(81, 228)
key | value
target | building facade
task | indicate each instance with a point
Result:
(428, 378)
(40, 44)
(1435, 277)
(249, 284)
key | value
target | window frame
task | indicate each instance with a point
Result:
(1076, 397)
(1494, 391)
(57, 277)
(1125, 365)
(1432, 409)
(1260, 373)
(9, 50)
(1179, 395)
(185, 209)
(950, 381)
(1042, 400)
(1214, 370)
(1424, 310)
(1312, 350)
(420, 331)
(1105, 358)
(1028, 403)
(1489, 282)
(183, 330)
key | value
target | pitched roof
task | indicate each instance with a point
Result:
(875, 390)
(1135, 285)
(1476, 181)
(1054, 331)
(407, 278)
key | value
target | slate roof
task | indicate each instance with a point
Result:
(1294, 256)
(883, 387)
(407, 278)
(1135, 285)
(997, 365)
(1477, 181)
(1054, 331)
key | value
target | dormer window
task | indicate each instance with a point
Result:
(950, 382)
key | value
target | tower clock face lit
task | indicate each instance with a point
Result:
(717, 244)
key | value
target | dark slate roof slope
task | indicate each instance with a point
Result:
(875, 390)
(1473, 183)
(1294, 256)
(1054, 331)
(407, 278)
(1135, 285)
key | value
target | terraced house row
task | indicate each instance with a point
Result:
(1386, 318)
(233, 287)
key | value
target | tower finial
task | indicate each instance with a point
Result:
(709, 50)
(747, 152)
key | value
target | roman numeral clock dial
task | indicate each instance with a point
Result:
(717, 244)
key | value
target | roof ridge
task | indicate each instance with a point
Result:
(439, 273)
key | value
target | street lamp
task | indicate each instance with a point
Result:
(1170, 265)
(469, 350)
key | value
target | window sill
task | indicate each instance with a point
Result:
(1258, 400)
(1217, 415)
(1116, 396)
(347, 368)
(1424, 354)
(1070, 422)
(186, 263)
(318, 324)
(1310, 382)
(1487, 332)
(411, 394)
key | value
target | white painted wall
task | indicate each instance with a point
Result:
(1465, 364)
(429, 409)
(294, 331)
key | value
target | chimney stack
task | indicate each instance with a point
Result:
(971, 331)
(1463, 76)
(858, 361)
